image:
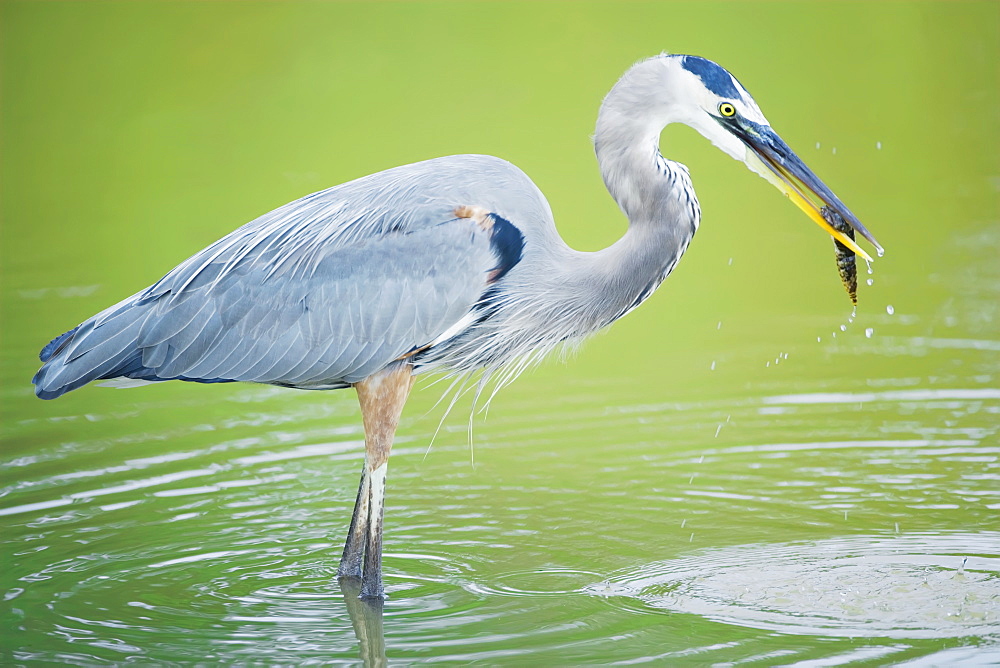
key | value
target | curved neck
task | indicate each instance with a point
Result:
(581, 292)
(655, 194)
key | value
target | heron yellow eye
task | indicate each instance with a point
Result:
(727, 109)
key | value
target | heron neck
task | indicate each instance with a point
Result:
(657, 198)
(628, 155)
(645, 185)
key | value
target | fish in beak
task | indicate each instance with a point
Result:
(847, 263)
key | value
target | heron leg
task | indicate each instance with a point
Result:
(354, 546)
(371, 578)
(382, 397)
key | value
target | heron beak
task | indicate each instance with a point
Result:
(769, 156)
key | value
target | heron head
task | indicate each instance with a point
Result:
(706, 97)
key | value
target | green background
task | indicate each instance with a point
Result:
(184, 522)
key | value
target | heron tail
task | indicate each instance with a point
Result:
(104, 346)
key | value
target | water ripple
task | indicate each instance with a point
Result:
(911, 586)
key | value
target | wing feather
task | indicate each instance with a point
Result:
(317, 293)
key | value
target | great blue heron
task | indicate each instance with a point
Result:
(453, 264)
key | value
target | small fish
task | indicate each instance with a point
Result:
(847, 263)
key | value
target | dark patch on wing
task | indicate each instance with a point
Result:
(507, 244)
(715, 78)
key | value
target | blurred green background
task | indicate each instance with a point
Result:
(135, 133)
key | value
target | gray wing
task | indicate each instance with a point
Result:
(316, 294)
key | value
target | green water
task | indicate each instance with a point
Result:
(736, 473)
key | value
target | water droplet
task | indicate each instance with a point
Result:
(712, 368)
(870, 281)
(889, 309)
(834, 334)
(880, 252)
(897, 527)
(768, 364)
(691, 539)
(730, 262)
(868, 332)
(843, 328)
(869, 266)
(717, 430)
(817, 144)
(719, 326)
(835, 150)
(819, 339)
(878, 145)
(683, 522)
(845, 514)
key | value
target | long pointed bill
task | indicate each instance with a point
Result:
(769, 156)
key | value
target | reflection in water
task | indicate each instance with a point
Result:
(366, 617)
